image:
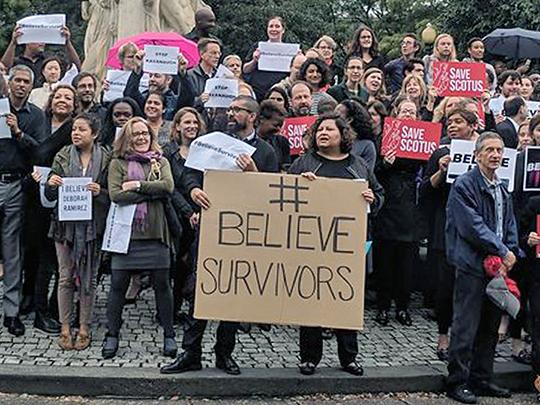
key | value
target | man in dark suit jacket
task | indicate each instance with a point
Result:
(515, 109)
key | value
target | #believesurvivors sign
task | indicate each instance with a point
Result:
(463, 160)
(410, 139)
(459, 78)
(294, 129)
(291, 251)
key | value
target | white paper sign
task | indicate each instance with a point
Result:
(74, 199)
(144, 83)
(223, 72)
(276, 56)
(496, 105)
(463, 160)
(46, 203)
(161, 59)
(45, 29)
(118, 228)
(216, 151)
(221, 91)
(117, 133)
(117, 80)
(533, 107)
(70, 75)
(5, 132)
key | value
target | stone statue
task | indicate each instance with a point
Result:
(101, 33)
(110, 20)
(179, 15)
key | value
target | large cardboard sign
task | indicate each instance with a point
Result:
(463, 160)
(281, 249)
(410, 139)
(531, 177)
(466, 79)
(294, 129)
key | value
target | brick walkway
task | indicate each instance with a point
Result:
(141, 342)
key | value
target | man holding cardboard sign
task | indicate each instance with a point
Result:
(242, 113)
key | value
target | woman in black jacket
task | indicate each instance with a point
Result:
(39, 254)
(395, 230)
(331, 143)
(186, 126)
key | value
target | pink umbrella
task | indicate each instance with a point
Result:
(187, 47)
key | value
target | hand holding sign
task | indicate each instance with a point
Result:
(459, 78)
(410, 139)
(161, 59)
(47, 28)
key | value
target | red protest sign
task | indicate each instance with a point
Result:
(294, 129)
(410, 139)
(466, 79)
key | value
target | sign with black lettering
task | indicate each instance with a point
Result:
(531, 177)
(74, 199)
(463, 160)
(281, 249)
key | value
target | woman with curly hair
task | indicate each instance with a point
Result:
(317, 74)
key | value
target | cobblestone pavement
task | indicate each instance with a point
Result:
(141, 342)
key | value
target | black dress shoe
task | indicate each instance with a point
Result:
(244, 327)
(404, 318)
(382, 317)
(354, 368)
(227, 364)
(14, 325)
(46, 324)
(307, 368)
(488, 389)
(27, 305)
(461, 394)
(185, 362)
(110, 347)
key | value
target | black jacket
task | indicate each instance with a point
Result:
(399, 217)
(433, 200)
(341, 93)
(180, 198)
(508, 133)
(312, 162)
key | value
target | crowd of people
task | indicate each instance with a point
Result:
(135, 149)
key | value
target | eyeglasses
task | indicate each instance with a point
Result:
(141, 133)
(237, 109)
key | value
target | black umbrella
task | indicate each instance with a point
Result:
(515, 43)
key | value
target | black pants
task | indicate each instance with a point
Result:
(474, 332)
(194, 328)
(117, 296)
(311, 345)
(519, 275)
(534, 301)
(40, 262)
(182, 266)
(445, 290)
(394, 263)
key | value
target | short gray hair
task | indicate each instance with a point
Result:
(484, 136)
(20, 68)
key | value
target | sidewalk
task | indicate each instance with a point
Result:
(395, 357)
